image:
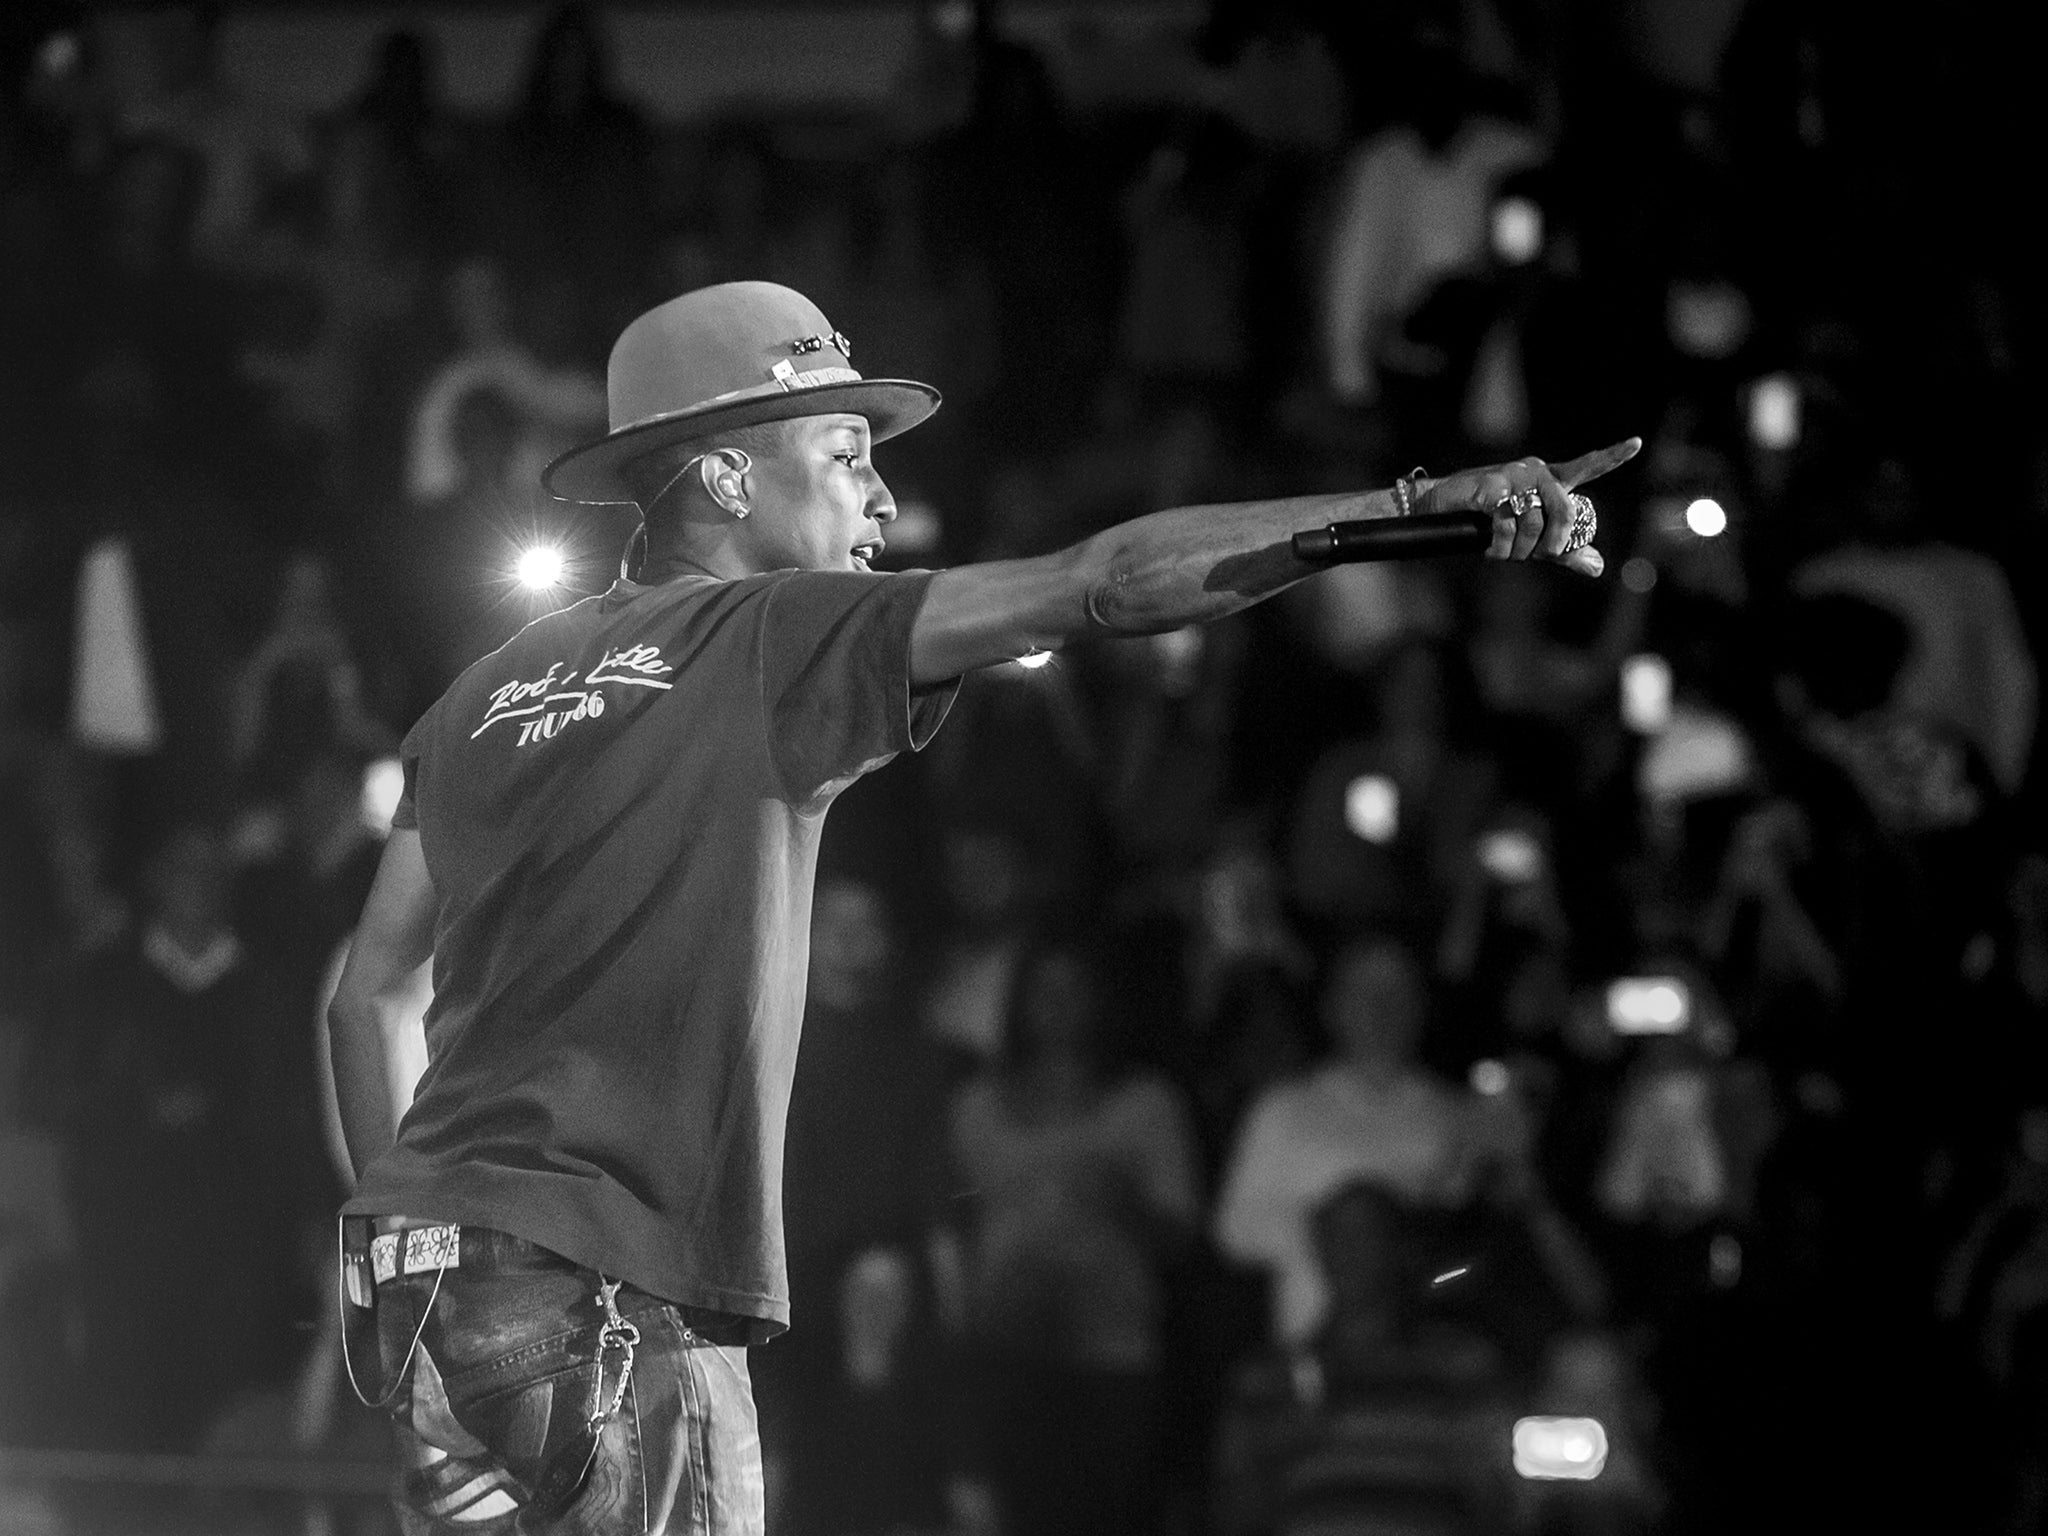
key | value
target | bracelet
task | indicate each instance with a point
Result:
(1405, 489)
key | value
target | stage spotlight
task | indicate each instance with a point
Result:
(1706, 517)
(540, 568)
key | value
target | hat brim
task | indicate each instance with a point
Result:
(591, 473)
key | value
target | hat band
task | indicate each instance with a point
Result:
(786, 379)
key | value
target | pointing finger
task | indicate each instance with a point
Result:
(1591, 466)
(1557, 528)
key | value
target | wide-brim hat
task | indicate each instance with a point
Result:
(722, 357)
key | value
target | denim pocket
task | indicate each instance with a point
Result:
(532, 1411)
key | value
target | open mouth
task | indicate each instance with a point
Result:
(865, 555)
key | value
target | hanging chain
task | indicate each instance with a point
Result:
(616, 1334)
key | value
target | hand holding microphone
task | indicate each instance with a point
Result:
(1506, 512)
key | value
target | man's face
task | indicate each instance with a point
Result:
(818, 504)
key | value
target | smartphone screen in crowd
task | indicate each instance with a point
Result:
(1774, 412)
(1511, 856)
(1372, 808)
(1517, 231)
(1646, 694)
(1648, 1005)
(1554, 1446)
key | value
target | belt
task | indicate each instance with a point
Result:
(415, 1251)
(437, 1246)
(422, 1250)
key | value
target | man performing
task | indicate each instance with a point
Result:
(553, 1266)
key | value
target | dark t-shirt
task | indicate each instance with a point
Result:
(620, 812)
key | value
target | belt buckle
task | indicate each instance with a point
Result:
(357, 1280)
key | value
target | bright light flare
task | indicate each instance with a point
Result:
(1774, 412)
(1552, 1446)
(1372, 808)
(917, 527)
(1510, 855)
(1706, 517)
(1033, 660)
(383, 785)
(541, 567)
(1724, 1259)
(1646, 694)
(1517, 230)
(1489, 1077)
(1648, 1005)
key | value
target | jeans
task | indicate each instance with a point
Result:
(493, 1414)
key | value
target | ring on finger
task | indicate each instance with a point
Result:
(1526, 502)
(1585, 523)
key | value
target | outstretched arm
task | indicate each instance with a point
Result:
(395, 936)
(1195, 564)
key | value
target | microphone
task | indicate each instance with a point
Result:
(1424, 536)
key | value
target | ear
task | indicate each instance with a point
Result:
(724, 472)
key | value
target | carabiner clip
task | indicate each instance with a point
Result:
(616, 1334)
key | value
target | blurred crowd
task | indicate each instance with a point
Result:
(1248, 1069)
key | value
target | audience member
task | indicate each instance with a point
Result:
(172, 1143)
(1411, 210)
(1514, 1269)
(992, 898)
(1910, 852)
(153, 384)
(1084, 1187)
(308, 859)
(573, 188)
(1968, 666)
(851, 1421)
(1383, 827)
(1371, 1112)
(1389, 1417)
(301, 692)
(41, 1322)
(1768, 951)
(1588, 1374)
(1995, 1292)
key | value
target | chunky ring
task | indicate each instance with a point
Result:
(1585, 523)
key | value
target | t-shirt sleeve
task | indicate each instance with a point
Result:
(836, 694)
(406, 818)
